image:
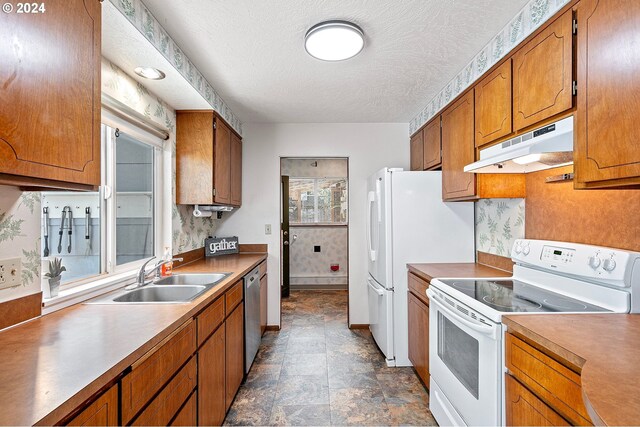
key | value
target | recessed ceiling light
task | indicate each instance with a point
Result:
(334, 40)
(150, 73)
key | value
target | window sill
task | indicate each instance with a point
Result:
(86, 291)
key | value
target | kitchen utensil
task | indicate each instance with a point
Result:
(70, 229)
(61, 231)
(87, 230)
(45, 222)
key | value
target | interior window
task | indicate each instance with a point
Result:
(134, 199)
(318, 200)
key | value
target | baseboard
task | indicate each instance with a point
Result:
(359, 326)
(325, 287)
(273, 327)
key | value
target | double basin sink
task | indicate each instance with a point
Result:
(178, 288)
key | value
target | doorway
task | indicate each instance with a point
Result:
(315, 224)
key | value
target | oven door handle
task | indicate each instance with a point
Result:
(441, 305)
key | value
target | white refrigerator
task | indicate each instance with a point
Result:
(407, 222)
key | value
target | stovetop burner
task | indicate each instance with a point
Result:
(517, 296)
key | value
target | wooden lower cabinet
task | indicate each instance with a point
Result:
(419, 337)
(167, 404)
(188, 414)
(234, 353)
(102, 412)
(149, 374)
(523, 408)
(211, 380)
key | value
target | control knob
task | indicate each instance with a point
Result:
(518, 248)
(526, 250)
(609, 264)
(594, 262)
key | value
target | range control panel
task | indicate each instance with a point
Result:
(612, 266)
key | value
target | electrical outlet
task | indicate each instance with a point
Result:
(10, 272)
(267, 229)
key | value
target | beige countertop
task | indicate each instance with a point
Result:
(54, 363)
(603, 348)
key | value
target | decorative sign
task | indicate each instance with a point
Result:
(215, 246)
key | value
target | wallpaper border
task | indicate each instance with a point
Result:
(526, 21)
(142, 19)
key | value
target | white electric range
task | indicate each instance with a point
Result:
(466, 351)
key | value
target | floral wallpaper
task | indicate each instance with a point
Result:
(499, 222)
(313, 268)
(138, 14)
(20, 238)
(188, 232)
(530, 17)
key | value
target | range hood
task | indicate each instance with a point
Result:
(544, 148)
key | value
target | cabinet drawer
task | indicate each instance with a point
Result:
(167, 404)
(418, 287)
(233, 297)
(554, 383)
(523, 408)
(263, 268)
(188, 414)
(102, 412)
(153, 370)
(209, 319)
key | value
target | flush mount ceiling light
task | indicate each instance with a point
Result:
(150, 73)
(334, 40)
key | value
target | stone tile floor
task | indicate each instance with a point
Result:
(316, 371)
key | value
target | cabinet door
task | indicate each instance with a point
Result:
(102, 412)
(607, 125)
(211, 380)
(417, 152)
(542, 74)
(458, 149)
(493, 105)
(222, 164)
(236, 170)
(263, 304)
(188, 414)
(419, 337)
(50, 93)
(523, 408)
(432, 145)
(234, 353)
(194, 157)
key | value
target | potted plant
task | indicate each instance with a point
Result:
(55, 274)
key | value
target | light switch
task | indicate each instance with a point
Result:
(267, 229)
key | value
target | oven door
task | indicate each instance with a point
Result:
(464, 359)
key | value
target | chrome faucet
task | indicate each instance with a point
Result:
(142, 274)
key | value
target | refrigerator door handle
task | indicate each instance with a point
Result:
(375, 289)
(370, 201)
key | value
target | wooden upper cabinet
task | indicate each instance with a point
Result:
(432, 145)
(208, 160)
(493, 105)
(607, 152)
(543, 74)
(236, 170)
(458, 149)
(50, 94)
(222, 166)
(416, 152)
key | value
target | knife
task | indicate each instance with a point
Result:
(45, 212)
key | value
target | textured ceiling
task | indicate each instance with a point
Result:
(253, 52)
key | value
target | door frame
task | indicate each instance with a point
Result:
(348, 159)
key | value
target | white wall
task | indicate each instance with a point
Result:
(369, 147)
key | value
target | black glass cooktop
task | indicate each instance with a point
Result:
(516, 296)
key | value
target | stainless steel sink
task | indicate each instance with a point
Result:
(191, 279)
(165, 293)
(179, 288)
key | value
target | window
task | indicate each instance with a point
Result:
(118, 228)
(318, 200)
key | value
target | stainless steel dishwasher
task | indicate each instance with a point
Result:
(252, 335)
